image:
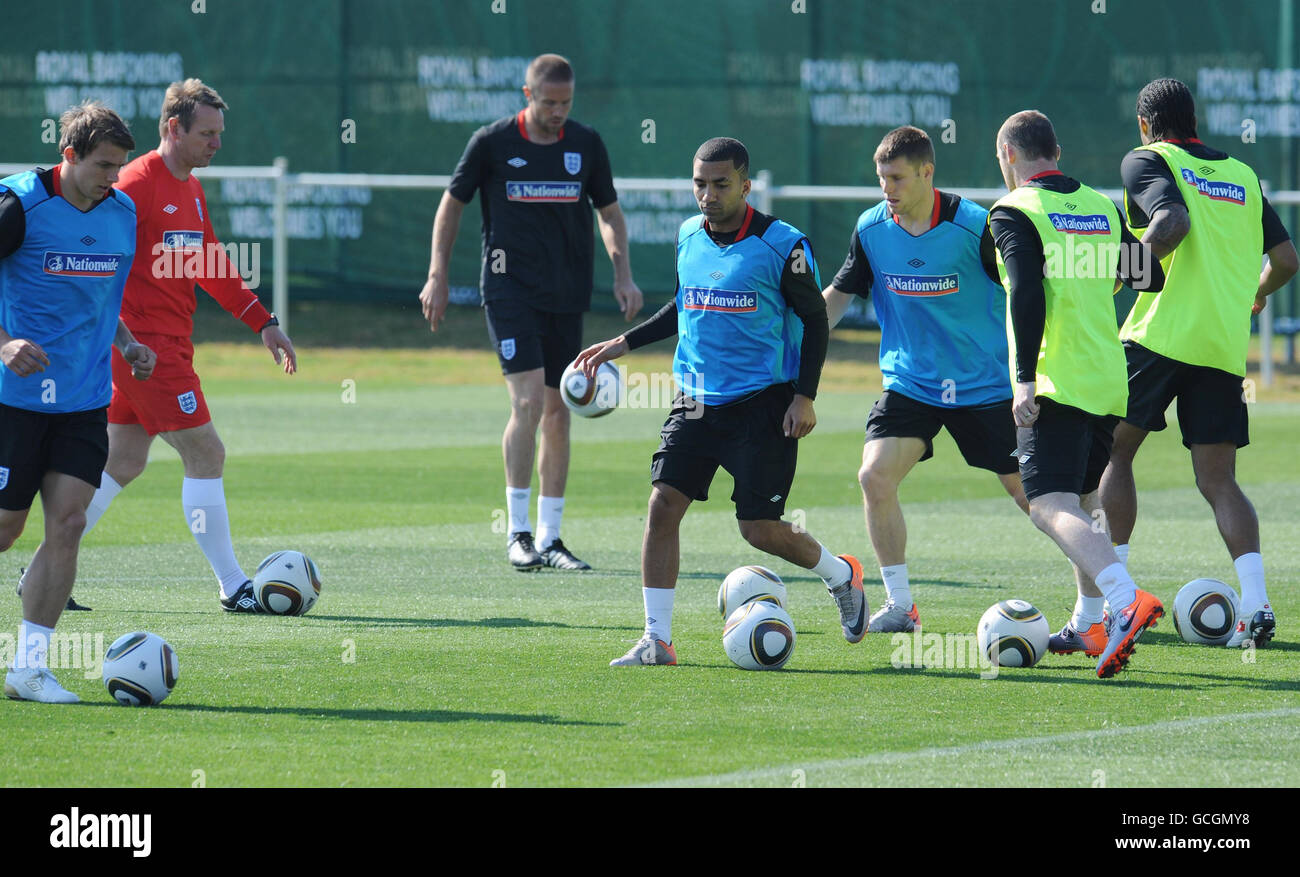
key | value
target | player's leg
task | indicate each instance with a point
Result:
(128, 455)
(762, 460)
(560, 345)
(1119, 487)
(203, 497)
(1085, 631)
(518, 449)
(681, 471)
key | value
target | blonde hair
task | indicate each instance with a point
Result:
(181, 99)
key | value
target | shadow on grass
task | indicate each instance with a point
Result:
(494, 623)
(376, 715)
(1081, 675)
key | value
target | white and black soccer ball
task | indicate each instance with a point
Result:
(759, 636)
(140, 669)
(592, 398)
(286, 583)
(1013, 634)
(749, 583)
(1205, 611)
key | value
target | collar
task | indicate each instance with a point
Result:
(523, 129)
(744, 225)
(934, 214)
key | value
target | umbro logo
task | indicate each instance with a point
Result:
(1206, 170)
(916, 263)
(170, 209)
(87, 240)
(1069, 206)
(776, 498)
(717, 275)
(516, 162)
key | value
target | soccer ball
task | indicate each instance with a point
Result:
(286, 583)
(1013, 634)
(592, 398)
(1205, 612)
(140, 669)
(759, 636)
(749, 583)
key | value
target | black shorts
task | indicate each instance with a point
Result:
(745, 438)
(985, 434)
(32, 444)
(526, 338)
(1211, 405)
(1065, 451)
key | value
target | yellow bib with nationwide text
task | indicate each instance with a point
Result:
(1203, 315)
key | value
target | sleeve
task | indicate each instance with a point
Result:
(855, 275)
(1274, 231)
(13, 223)
(600, 185)
(469, 172)
(662, 325)
(800, 288)
(1022, 252)
(228, 288)
(989, 256)
(1138, 267)
(1150, 185)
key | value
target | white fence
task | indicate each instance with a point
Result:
(764, 190)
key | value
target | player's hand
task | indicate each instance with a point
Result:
(277, 342)
(433, 301)
(1024, 405)
(629, 298)
(23, 357)
(141, 359)
(799, 417)
(590, 359)
(1260, 302)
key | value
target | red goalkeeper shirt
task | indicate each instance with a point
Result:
(176, 249)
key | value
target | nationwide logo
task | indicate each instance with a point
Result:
(1215, 191)
(82, 264)
(725, 301)
(182, 240)
(1073, 223)
(542, 192)
(920, 284)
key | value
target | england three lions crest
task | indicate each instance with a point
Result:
(573, 162)
(189, 404)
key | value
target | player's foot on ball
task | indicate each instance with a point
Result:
(648, 652)
(892, 618)
(1255, 627)
(558, 556)
(38, 684)
(1092, 642)
(73, 605)
(852, 602)
(523, 554)
(1128, 625)
(242, 600)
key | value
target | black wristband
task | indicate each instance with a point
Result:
(274, 321)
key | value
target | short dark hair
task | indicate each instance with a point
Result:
(1168, 107)
(1032, 134)
(548, 68)
(906, 142)
(89, 124)
(181, 99)
(725, 149)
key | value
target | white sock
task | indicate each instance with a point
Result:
(1087, 612)
(33, 645)
(204, 500)
(1117, 585)
(834, 572)
(1122, 552)
(896, 585)
(1250, 573)
(550, 509)
(517, 509)
(659, 612)
(108, 491)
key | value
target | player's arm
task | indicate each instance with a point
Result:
(613, 231)
(1017, 240)
(19, 355)
(662, 325)
(141, 359)
(853, 280)
(446, 224)
(1138, 265)
(801, 289)
(1151, 188)
(1282, 260)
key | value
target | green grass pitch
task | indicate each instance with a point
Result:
(427, 661)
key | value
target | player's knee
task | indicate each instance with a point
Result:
(67, 526)
(1041, 514)
(876, 485)
(757, 533)
(527, 410)
(1214, 484)
(9, 534)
